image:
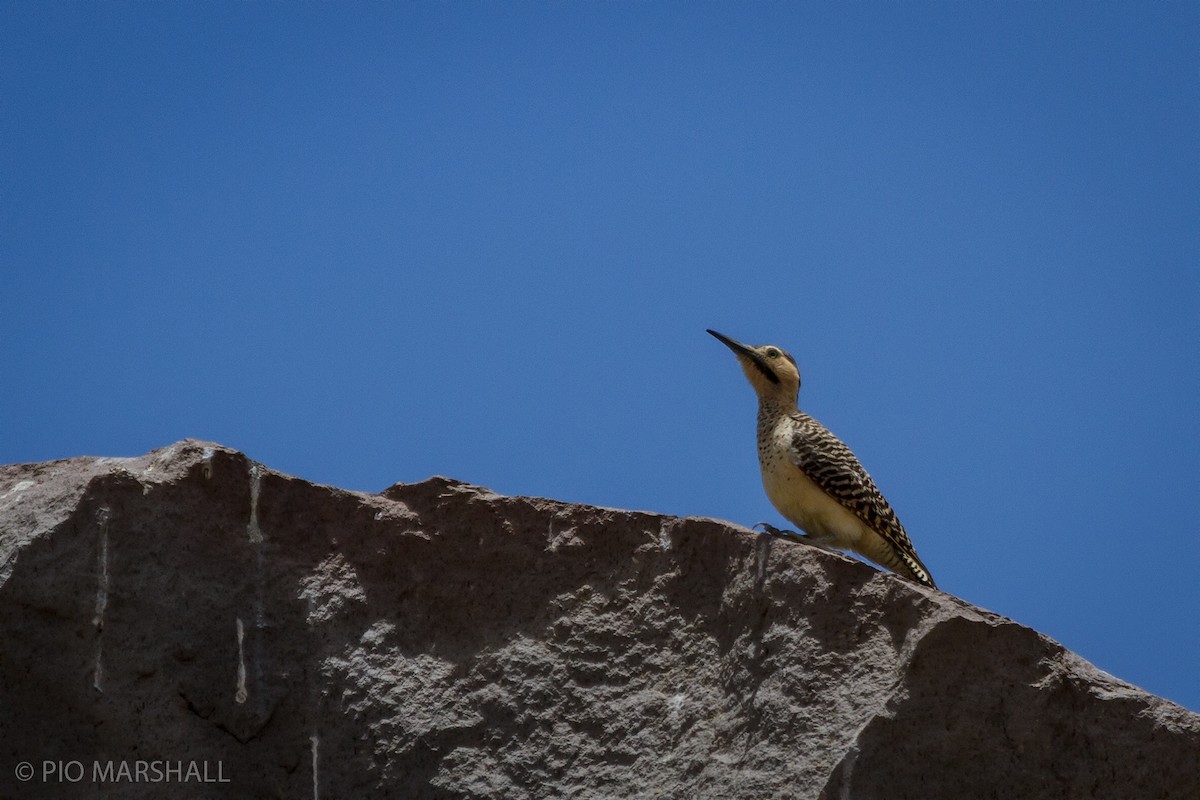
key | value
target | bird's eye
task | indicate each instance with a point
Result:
(772, 352)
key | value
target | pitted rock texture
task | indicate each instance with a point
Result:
(441, 641)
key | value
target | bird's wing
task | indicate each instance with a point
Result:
(833, 467)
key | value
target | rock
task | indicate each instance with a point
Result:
(252, 635)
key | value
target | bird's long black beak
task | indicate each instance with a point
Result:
(734, 345)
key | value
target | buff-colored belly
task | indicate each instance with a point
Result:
(809, 508)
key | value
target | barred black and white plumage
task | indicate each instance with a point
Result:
(837, 471)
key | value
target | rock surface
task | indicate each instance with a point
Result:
(191, 610)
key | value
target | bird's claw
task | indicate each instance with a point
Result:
(794, 536)
(771, 530)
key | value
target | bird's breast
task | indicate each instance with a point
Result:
(801, 501)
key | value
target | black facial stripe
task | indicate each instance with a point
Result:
(765, 370)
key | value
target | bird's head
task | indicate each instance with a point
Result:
(770, 370)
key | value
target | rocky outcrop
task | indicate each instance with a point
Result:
(213, 623)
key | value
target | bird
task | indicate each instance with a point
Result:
(812, 478)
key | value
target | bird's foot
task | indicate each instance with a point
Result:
(794, 536)
(771, 530)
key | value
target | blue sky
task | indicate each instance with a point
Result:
(367, 243)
